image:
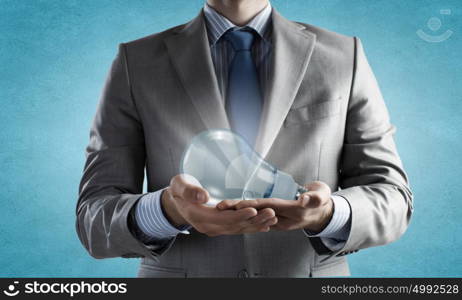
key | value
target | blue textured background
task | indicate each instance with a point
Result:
(54, 56)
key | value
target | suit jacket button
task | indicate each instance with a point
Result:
(243, 274)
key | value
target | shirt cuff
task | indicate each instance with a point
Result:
(337, 227)
(151, 220)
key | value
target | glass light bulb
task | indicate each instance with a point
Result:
(228, 168)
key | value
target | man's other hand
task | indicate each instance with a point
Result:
(313, 210)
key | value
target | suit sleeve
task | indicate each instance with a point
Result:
(112, 180)
(372, 178)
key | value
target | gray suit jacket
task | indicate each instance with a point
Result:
(323, 119)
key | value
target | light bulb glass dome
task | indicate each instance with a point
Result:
(228, 168)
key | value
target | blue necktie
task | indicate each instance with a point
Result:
(243, 96)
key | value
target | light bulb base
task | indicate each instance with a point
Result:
(300, 191)
(285, 187)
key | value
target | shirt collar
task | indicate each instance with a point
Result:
(217, 24)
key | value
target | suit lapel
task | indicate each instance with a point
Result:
(292, 48)
(190, 53)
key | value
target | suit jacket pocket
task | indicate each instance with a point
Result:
(160, 272)
(315, 111)
(333, 267)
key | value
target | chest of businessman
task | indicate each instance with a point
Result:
(308, 142)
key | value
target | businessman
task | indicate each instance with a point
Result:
(304, 97)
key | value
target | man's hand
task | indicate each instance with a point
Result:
(184, 204)
(312, 210)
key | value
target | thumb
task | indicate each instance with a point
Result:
(318, 193)
(318, 186)
(188, 188)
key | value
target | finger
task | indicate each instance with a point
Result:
(229, 217)
(227, 204)
(187, 191)
(315, 199)
(241, 214)
(263, 216)
(282, 223)
(248, 228)
(274, 203)
(266, 226)
(318, 194)
(265, 229)
(311, 199)
(318, 186)
(212, 222)
(246, 203)
(262, 227)
(271, 222)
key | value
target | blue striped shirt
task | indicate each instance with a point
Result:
(153, 224)
(222, 52)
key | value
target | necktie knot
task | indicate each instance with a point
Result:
(241, 40)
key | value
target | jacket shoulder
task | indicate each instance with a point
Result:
(335, 46)
(152, 40)
(324, 35)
